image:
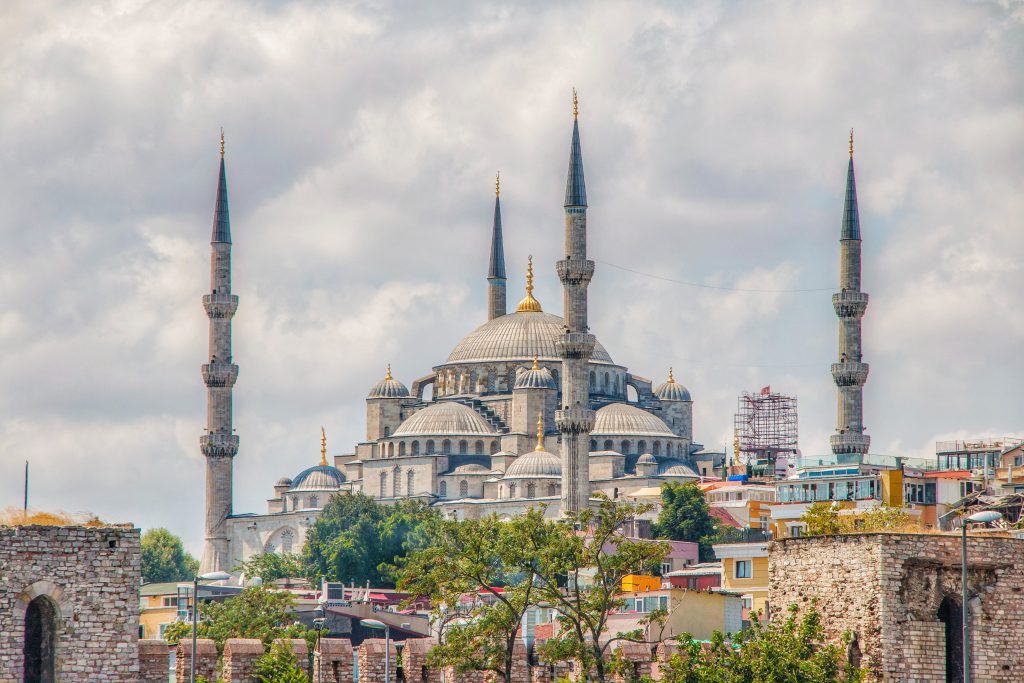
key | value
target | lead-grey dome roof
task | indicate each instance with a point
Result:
(389, 387)
(675, 468)
(519, 336)
(319, 478)
(671, 390)
(535, 465)
(646, 459)
(445, 417)
(623, 419)
(535, 378)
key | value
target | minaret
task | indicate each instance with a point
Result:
(575, 420)
(219, 444)
(496, 271)
(850, 373)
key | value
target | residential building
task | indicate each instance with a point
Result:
(699, 613)
(703, 576)
(745, 572)
(158, 608)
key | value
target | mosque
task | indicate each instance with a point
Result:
(529, 408)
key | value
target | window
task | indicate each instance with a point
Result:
(430, 445)
(478, 447)
(442, 490)
(691, 583)
(608, 445)
(796, 531)
(463, 488)
(593, 445)
(531, 490)
(666, 567)
(314, 502)
(656, 450)
(742, 569)
(383, 484)
(641, 447)
(169, 601)
(446, 446)
(511, 490)
(494, 447)
(552, 489)
(415, 447)
(463, 447)
(395, 482)
(747, 601)
(287, 538)
(410, 482)
(401, 448)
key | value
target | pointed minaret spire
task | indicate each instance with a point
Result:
(496, 298)
(220, 443)
(323, 447)
(850, 373)
(575, 420)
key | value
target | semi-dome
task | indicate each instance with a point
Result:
(389, 387)
(535, 378)
(623, 419)
(445, 417)
(319, 478)
(646, 459)
(672, 390)
(519, 336)
(471, 468)
(675, 468)
(535, 465)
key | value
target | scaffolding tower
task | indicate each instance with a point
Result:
(766, 429)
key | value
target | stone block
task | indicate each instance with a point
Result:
(154, 661)
(332, 661)
(206, 660)
(240, 657)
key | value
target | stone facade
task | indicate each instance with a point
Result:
(67, 594)
(899, 597)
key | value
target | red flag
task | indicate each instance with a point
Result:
(765, 391)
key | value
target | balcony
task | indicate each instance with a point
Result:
(850, 443)
(850, 304)
(850, 373)
(222, 445)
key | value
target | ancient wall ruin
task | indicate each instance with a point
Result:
(899, 596)
(69, 604)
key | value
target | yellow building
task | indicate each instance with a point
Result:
(745, 571)
(158, 608)
(699, 613)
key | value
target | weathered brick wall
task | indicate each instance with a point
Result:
(240, 657)
(90, 578)
(332, 663)
(153, 661)
(371, 662)
(206, 660)
(300, 650)
(663, 654)
(639, 656)
(887, 588)
(414, 661)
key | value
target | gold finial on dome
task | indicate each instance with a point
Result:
(221, 143)
(575, 105)
(529, 304)
(388, 377)
(851, 143)
(497, 184)
(323, 448)
(671, 379)
(536, 366)
(540, 432)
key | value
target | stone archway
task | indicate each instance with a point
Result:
(951, 616)
(40, 648)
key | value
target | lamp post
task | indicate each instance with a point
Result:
(319, 620)
(976, 518)
(373, 623)
(211, 576)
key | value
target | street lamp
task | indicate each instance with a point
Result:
(209, 576)
(373, 623)
(319, 620)
(976, 518)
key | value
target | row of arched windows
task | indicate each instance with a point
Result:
(531, 490)
(603, 384)
(442, 489)
(626, 446)
(396, 479)
(464, 446)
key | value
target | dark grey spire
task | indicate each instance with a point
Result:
(221, 216)
(496, 270)
(575, 187)
(851, 216)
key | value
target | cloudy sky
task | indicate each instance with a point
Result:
(362, 141)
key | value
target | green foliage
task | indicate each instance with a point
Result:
(488, 557)
(257, 612)
(272, 566)
(824, 519)
(164, 558)
(357, 539)
(176, 631)
(787, 651)
(279, 666)
(685, 516)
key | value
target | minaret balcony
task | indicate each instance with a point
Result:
(850, 443)
(220, 305)
(576, 345)
(575, 420)
(575, 272)
(850, 374)
(220, 374)
(219, 445)
(850, 304)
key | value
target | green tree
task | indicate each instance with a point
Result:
(788, 650)
(358, 539)
(824, 519)
(279, 666)
(486, 557)
(685, 516)
(164, 558)
(579, 565)
(272, 566)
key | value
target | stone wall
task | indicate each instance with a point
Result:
(77, 589)
(889, 590)
(154, 658)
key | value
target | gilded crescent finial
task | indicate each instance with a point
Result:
(388, 376)
(575, 105)
(851, 143)
(323, 448)
(497, 184)
(222, 143)
(671, 379)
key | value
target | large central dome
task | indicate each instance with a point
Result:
(517, 337)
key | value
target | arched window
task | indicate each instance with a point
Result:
(463, 447)
(512, 490)
(430, 446)
(625, 447)
(608, 445)
(387, 431)
(494, 447)
(415, 447)
(668, 448)
(463, 488)
(552, 489)
(531, 490)
(314, 503)
(391, 449)
(593, 445)
(40, 641)
(401, 448)
(395, 479)
(593, 380)
(641, 446)
(446, 446)
(442, 489)
(607, 383)
(656, 449)
(288, 538)
(383, 484)
(478, 447)
(410, 482)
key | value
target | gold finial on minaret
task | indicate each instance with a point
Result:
(671, 379)
(497, 184)
(536, 366)
(540, 432)
(323, 448)
(851, 143)
(529, 304)
(222, 143)
(735, 446)
(575, 105)
(388, 376)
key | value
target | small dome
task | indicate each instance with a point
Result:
(389, 387)
(672, 390)
(445, 417)
(623, 419)
(283, 481)
(319, 478)
(646, 459)
(675, 468)
(535, 465)
(535, 378)
(471, 468)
